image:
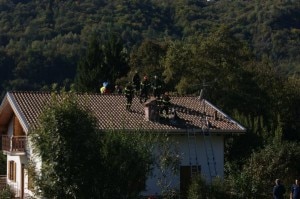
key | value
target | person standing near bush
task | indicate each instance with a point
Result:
(295, 190)
(278, 190)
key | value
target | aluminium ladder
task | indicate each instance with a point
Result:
(209, 151)
(192, 144)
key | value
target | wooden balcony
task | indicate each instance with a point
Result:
(14, 144)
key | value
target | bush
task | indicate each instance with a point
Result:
(199, 189)
(6, 193)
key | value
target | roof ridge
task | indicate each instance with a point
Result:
(93, 93)
(19, 91)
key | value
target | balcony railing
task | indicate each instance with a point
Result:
(14, 144)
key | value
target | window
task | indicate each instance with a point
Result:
(12, 170)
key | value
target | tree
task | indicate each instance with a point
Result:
(176, 66)
(199, 189)
(276, 160)
(115, 56)
(67, 143)
(91, 69)
(128, 160)
(105, 61)
(167, 161)
(80, 162)
(217, 60)
(6, 67)
(147, 57)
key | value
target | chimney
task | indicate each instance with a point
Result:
(150, 108)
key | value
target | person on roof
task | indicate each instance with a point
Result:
(136, 80)
(145, 87)
(156, 86)
(118, 89)
(165, 103)
(129, 92)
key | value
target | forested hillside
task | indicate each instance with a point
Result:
(244, 54)
(41, 41)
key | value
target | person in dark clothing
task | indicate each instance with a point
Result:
(118, 89)
(295, 190)
(278, 190)
(156, 86)
(129, 92)
(145, 87)
(136, 80)
(165, 103)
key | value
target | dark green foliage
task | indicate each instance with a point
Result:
(199, 189)
(89, 73)
(276, 160)
(270, 29)
(146, 59)
(129, 158)
(115, 57)
(214, 63)
(2, 164)
(104, 61)
(6, 67)
(78, 162)
(250, 66)
(6, 193)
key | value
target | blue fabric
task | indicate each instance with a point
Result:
(295, 191)
(278, 191)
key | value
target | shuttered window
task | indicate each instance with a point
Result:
(12, 170)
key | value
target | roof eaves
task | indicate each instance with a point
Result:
(4, 103)
(226, 116)
(17, 111)
(179, 131)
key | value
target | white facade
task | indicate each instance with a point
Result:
(194, 150)
(203, 151)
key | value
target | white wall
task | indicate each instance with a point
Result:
(189, 150)
(19, 160)
(193, 149)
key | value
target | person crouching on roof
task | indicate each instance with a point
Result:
(165, 102)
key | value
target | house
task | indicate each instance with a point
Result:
(198, 126)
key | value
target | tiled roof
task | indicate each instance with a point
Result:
(110, 111)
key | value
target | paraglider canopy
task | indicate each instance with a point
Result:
(104, 88)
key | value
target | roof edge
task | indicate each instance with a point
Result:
(226, 116)
(17, 111)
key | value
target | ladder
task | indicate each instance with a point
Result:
(209, 151)
(192, 144)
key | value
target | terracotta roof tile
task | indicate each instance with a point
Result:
(111, 113)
